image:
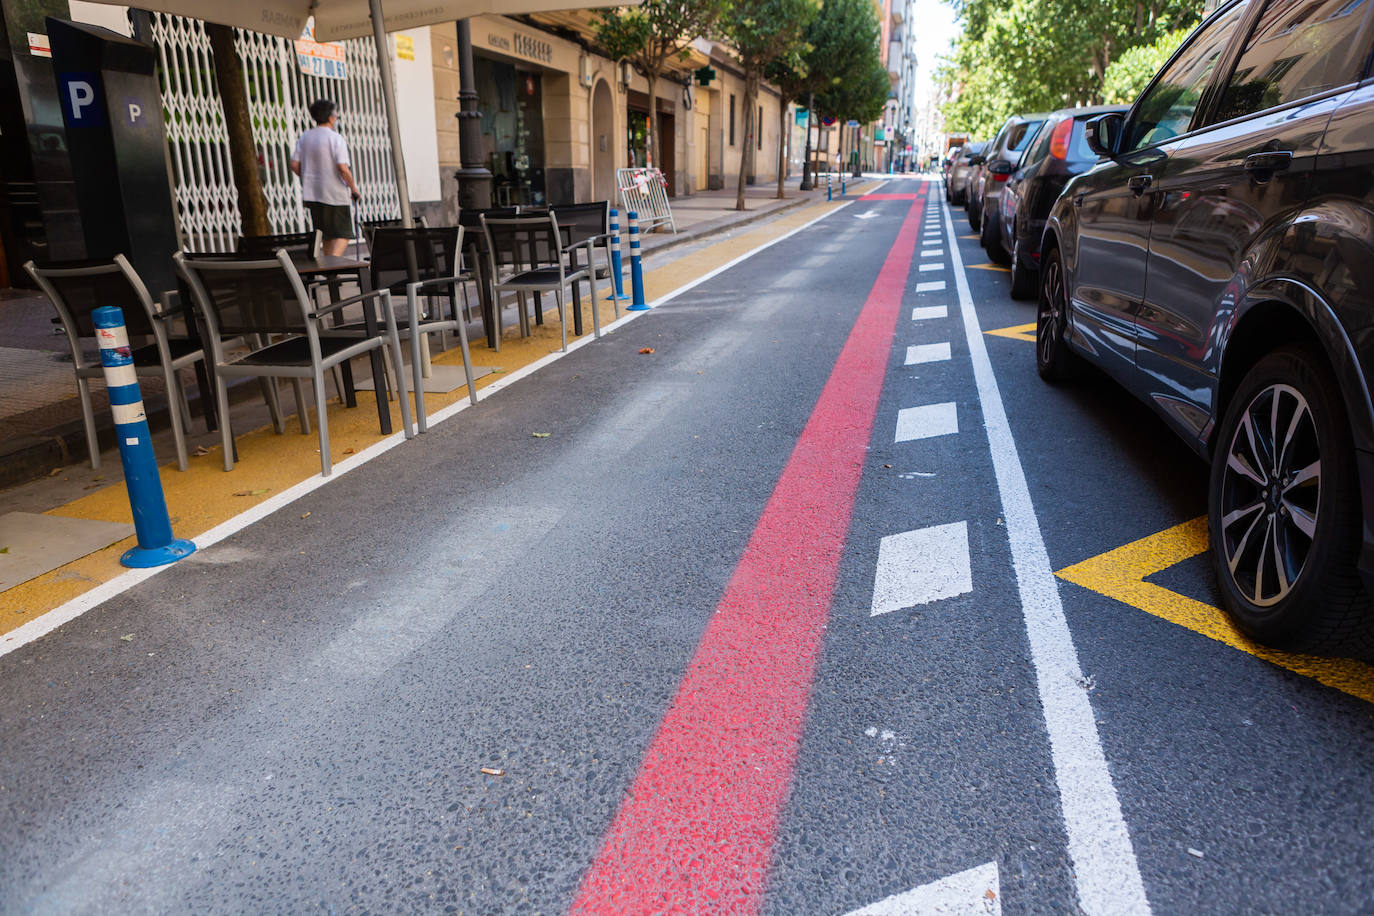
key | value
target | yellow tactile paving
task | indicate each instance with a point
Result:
(205, 496)
(1121, 574)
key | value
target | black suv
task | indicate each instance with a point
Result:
(1219, 262)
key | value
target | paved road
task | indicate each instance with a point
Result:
(766, 623)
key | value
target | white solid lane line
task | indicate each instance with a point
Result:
(1104, 860)
(927, 353)
(918, 567)
(927, 422)
(932, 286)
(929, 311)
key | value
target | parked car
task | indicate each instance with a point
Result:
(1219, 263)
(1059, 151)
(956, 183)
(993, 167)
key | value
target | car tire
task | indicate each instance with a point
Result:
(991, 238)
(973, 214)
(1296, 586)
(1024, 281)
(1053, 359)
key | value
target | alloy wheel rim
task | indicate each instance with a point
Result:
(1050, 311)
(1271, 493)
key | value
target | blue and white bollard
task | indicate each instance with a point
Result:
(636, 270)
(617, 265)
(842, 184)
(829, 188)
(156, 545)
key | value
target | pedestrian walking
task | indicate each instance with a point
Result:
(327, 186)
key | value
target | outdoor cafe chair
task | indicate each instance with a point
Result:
(583, 223)
(533, 251)
(476, 264)
(258, 299)
(75, 288)
(422, 264)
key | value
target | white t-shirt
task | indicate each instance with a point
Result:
(320, 151)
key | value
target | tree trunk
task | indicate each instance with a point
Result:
(243, 154)
(784, 144)
(751, 90)
(652, 139)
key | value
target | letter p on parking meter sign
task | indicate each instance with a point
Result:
(81, 99)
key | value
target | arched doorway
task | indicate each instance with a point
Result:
(603, 143)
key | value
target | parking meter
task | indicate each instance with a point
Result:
(112, 107)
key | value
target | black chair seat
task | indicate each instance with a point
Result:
(295, 352)
(540, 278)
(147, 354)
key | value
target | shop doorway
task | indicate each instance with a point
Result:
(512, 106)
(667, 146)
(603, 145)
(638, 138)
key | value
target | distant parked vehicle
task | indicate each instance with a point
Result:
(1219, 263)
(956, 184)
(993, 166)
(1059, 152)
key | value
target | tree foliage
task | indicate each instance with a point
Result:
(1040, 55)
(1128, 75)
(762, 32)
(652, 36)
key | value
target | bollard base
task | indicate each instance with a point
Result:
(145, 558)
(637, 308)
(622, 297)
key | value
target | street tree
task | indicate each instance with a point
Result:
(838, 44)
(790, 75)
(651, 37)
(238, 123)
(762, 31)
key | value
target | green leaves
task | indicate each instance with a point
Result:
(1040, 55)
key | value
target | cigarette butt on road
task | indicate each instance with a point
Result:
(492, 771)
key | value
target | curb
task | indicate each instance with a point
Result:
(692, 235)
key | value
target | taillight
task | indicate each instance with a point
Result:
(1000, 177)
(1059, 140)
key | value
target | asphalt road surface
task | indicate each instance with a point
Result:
(768, 622)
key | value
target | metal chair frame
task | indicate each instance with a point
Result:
(314, 332)
(601, 236)
(539, 268)
(157, 318)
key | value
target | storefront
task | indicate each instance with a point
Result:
(512, 105)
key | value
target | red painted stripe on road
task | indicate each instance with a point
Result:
(695, 833)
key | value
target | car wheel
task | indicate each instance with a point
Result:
(1284, 509)
(1053, 359)
(992, 241)
(1023, 279)
(973, 213)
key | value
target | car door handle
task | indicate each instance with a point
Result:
(1270, 162)
(1140, 183)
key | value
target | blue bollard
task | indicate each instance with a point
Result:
(156, 545)
(829, 189)
(842, 185)
(617, 266)
(636, 270)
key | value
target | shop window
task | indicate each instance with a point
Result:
(732, 119)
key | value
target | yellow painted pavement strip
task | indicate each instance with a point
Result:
(1024, 332)
(205, 496)
(1121, 574)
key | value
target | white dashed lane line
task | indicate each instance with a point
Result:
(927, 422)
(927, 312)
(918, 567)
(927, 353)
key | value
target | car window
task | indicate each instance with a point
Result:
(1041, 147)
(1022, 134)
(1167, 108)
(1299, 48)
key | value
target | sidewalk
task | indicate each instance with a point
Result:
(40, 415)
(274, 471)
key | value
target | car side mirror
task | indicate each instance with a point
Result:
(1103, 133)
(1002, 167)
(977, 159)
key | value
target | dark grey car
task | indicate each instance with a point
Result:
(993, 167)
(1219, 263)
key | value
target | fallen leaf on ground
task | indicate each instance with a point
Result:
(55, 472)
(250, 492)
(350, 451)
(305, 515)
(492, 771)
(991, 894)
(4, 550)
(646, 350)
(127, 637)
(541, 435)
(201, 450)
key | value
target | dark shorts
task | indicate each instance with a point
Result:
(334, 222)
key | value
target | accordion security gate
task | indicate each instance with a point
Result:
(278, 98)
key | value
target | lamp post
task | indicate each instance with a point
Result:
(474, 179)
(806, 184)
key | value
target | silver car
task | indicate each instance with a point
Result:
(956, 186)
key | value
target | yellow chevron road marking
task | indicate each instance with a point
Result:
(1024, 332)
